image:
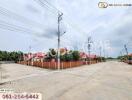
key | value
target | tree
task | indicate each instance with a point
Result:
(66, 57)
(11, 56)
(76, 55)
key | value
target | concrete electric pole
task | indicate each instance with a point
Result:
(89, 48)
(104, 52)
(126, 49)
(100, 50)
(58, 54)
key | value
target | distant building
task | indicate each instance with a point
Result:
(34, 56)
(84, 56)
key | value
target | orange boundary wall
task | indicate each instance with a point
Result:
(53, 65)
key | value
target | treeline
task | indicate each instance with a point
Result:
(52, 54)
(11, 56)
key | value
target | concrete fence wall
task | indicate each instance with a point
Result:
(53, 65)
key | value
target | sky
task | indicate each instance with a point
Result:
(27, 23)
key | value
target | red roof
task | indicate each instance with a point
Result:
(84, 55)
(35, 55)
(91, 56)
(130, 54)
(39, 55)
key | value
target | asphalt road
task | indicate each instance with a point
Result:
(103, 81)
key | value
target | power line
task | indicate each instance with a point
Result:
(42, 4)
(17, 17)
(52, 6)
(22, 19)
(12, 27)
(74, 26)
(67, 18)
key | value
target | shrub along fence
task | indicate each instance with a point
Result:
(53, 65)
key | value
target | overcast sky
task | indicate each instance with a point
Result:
(25, 23)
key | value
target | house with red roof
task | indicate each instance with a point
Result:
(84, 56)
(39, 56)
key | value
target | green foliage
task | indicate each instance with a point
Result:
(11, 56)
(71, 56)
(123, 58)
(101, 59)
(76, 55)
(66, 57)
(129, 57)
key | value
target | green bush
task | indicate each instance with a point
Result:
(11, 56)
(76, 55)
(66, 57)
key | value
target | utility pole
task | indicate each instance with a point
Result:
(100, 48)
(29, 54)
(89, 48)
(58, 54)
(126, 49)
(104, 52)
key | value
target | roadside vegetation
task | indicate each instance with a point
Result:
(11, 56)
(126, 59)
(67, 56)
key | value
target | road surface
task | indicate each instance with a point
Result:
(103, 81)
